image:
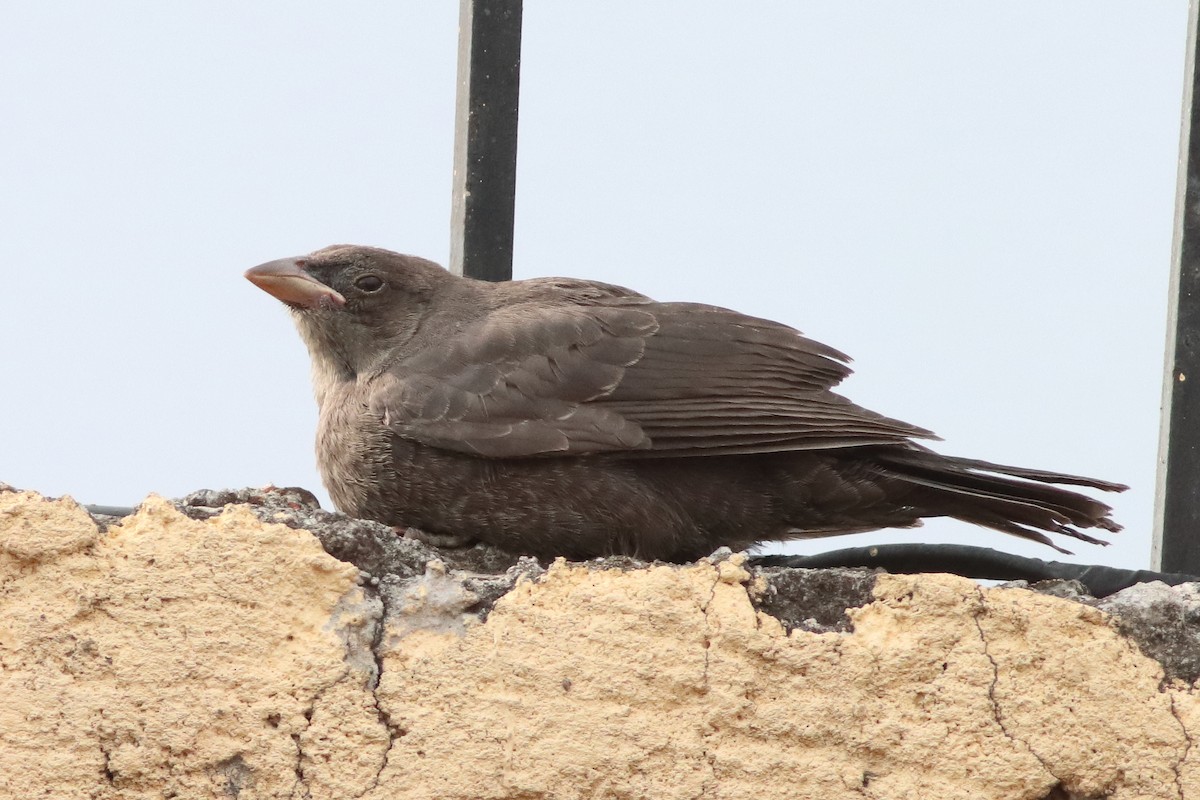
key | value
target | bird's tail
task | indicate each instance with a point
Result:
(1014, 500)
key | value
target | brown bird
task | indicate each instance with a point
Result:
(557, 416)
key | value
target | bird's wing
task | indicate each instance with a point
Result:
(626, 375)
(713, 380)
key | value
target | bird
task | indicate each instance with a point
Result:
(563, 417)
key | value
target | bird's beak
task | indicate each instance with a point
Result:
(286, 280)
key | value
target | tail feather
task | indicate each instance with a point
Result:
(1044, 476)
(1014, 500)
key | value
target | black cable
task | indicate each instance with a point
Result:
(975, 562)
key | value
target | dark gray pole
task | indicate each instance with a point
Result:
(1177, 499)
(485, 139)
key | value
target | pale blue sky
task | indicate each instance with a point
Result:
(972, 199)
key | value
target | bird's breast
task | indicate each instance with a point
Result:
(352, 451)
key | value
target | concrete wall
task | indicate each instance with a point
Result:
(217, 655)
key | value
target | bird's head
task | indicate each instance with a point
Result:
(354, 305)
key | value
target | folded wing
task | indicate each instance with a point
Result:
(627, 375)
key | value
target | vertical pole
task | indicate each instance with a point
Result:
(1176, 546)
(485, 139)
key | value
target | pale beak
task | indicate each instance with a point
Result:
(286, 280)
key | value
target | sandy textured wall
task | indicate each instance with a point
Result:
(227, 657)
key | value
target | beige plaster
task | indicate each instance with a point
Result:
(231, 658)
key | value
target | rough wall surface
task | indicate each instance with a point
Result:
(172, 656)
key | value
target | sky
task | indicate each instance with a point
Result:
(974, 200)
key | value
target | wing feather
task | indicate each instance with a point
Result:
(618, 373)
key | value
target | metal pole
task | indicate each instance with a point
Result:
(1176, 544)
(485, 139)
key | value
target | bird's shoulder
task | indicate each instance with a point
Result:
(566, 291)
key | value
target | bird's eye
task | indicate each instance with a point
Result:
(369, 283)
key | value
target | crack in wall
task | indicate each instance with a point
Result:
(709, 637)
(298, 767)
(997, 714)
(109, 775)
(1177, 767)
(1138, 650)
(708, 629)
(382, 715)
(394, 731)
